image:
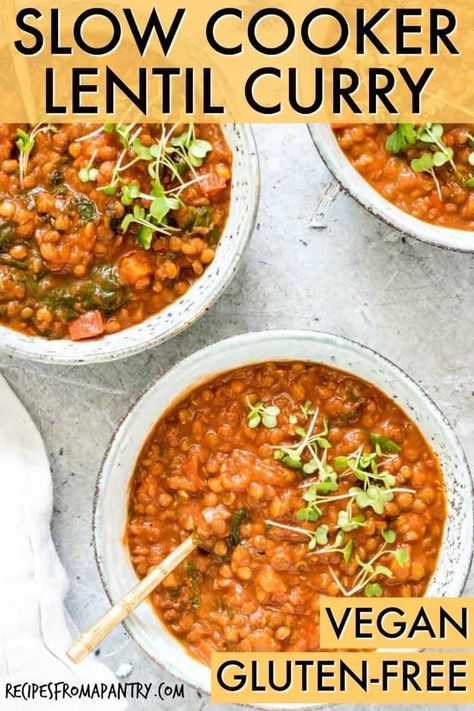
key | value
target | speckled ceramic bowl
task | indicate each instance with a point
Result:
(334, 158)
(110, 510)
(184, 311)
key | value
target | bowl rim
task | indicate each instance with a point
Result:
(25, 347)
(353, 184)
(250, 338)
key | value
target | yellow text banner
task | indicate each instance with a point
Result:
(257, 60)
(325, 677)
(419, 623)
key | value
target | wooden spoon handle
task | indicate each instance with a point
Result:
(89, 640)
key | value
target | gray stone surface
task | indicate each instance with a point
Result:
(355, 277)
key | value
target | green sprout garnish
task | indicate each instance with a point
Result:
(292, 455)
(167, 158)
(402, 556)
(89, 174)
(167, 161)
(384, 445)
(388, 535)
(258, 413)
(317, 537)
(192, 149)
(347, 522)
(373, 590)
(152, 220)
(369, 570)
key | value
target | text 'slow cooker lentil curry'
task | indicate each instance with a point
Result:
(102, 226)
(300, 481)
(426, 170)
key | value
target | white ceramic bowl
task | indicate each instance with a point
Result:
(353, 183)
(180, 314)
(110, 508)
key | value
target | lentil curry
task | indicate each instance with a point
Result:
(102, 226)
(299, 480)
(425, 170)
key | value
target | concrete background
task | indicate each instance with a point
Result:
(355, 277)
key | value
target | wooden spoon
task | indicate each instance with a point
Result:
(89, 640)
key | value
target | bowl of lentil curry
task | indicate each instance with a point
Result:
(115, 237)
(418, 178)
(308, 465)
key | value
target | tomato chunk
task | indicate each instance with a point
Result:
(88, 325)
(190, 480)
(211, 183)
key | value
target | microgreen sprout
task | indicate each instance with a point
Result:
(426, 164)
(402, 556)
(373, 590)
(161, 203)
(26, 142)
(140, 217)
(258, 413)
(312, 511)
(337, 547)
(126, 140)
(168, 159)
(123, 130)
(347, 522)
(388, 535)
(437, 154)
(368, 571)
(375, 497)
(192, 149)
(317, 537)
(306, 409)
(365, 467)
(292, 455)
(432, 134)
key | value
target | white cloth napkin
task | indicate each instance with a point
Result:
(34, 631)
